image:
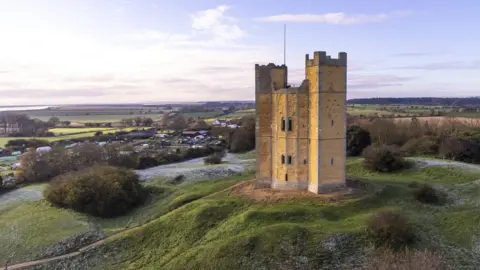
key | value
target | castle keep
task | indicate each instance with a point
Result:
(300, 131)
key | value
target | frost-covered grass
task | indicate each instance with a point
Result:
(192, 231)
(26, 229)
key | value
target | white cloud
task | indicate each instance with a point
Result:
(209, 62)
(335, 18)
(215, 22)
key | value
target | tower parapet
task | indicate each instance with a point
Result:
(270, 77)
(321, 58)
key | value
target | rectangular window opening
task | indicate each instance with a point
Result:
(305, 161)
(290, 124)
(331, 123)
(283, 159)
(286, 177)
(283, 124)
(289, 159)
(331, 161)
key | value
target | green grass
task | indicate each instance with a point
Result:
(432, 174)
(248, 155)
(27, 228)
(224, 232)
(191, 229)
(164, 199)
(66, 131)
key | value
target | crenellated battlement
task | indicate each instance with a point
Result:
(321, 58)
(270, 66)
(270, 77)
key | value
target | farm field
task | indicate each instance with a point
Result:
(67, 131)
(93, 118)
(202, 114)
(74, 133)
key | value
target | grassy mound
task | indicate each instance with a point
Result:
(194, 230)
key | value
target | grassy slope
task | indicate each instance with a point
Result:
(40, 225)
(28, 228)
(224, 232)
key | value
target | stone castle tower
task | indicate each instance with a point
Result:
(300, 131)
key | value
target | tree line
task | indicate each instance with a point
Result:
(428, 101)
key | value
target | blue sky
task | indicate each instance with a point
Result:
(90, 51)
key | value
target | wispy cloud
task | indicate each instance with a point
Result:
(365, 81)
(447, 65)
(336, 18)
(411, 54)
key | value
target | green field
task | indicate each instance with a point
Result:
(85, 132)
(202, 114)
(66, 131)
(94, 118)
(190, 230)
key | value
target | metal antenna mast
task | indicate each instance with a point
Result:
(285, 44)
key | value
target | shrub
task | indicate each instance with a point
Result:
(390, 229)
(102, 191)
(460, 149)
(145, 162)
(243, 139)
(357, 140)
(27, 143)
(425, 145)
(177, 180)
(428, 194)
(215, 158)
(98, 133)
(383, 158)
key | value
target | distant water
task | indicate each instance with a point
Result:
(25, 108)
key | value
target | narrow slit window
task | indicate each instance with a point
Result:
(305, 161)
(283, 124)
(331, 161)
(290, 124)
(289, 159)
(286, 177)
(331, 123)
(283, 159)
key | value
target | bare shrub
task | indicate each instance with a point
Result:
(215, 158)
(390, 229)
(383, 158)
(407, 259)
(428, 194)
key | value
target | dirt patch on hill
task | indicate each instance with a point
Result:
(353, 187)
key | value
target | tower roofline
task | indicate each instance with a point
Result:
(321, 58)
